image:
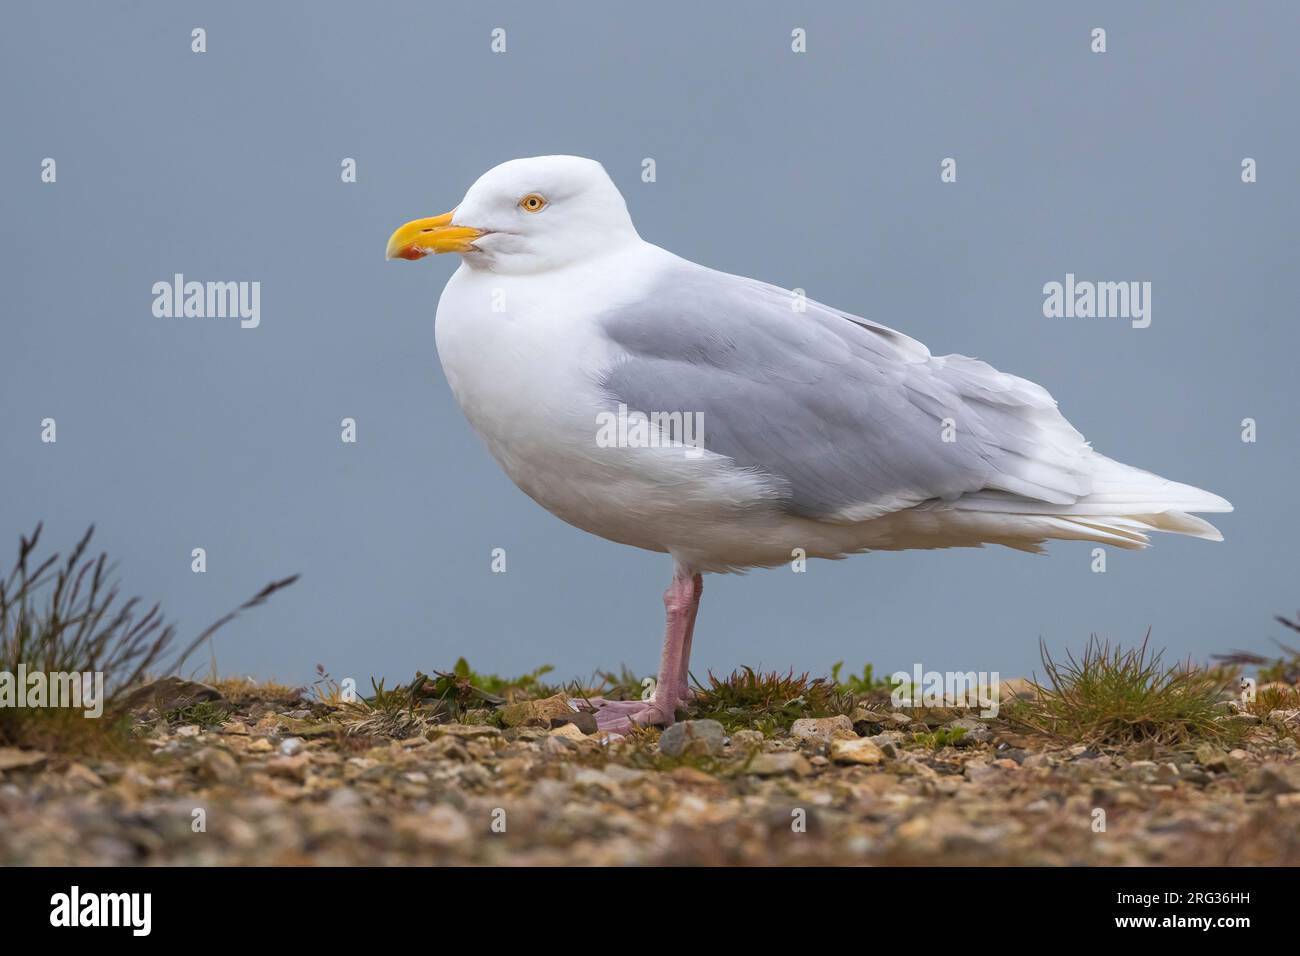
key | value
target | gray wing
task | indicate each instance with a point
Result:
(847, 417)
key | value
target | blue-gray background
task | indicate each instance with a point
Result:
(817, 170)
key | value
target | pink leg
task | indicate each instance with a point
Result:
(681, 603)
(684, 681)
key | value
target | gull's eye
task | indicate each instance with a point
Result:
(533, 202)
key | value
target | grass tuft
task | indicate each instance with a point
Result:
(1121, 697)
(868, 685)
(67, 616)
(769, 702)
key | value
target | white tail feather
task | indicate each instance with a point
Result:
(1126, 503)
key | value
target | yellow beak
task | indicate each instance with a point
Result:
(419, 237)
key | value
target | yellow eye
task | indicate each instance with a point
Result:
(533, 202)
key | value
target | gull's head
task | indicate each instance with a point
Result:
(527, 215)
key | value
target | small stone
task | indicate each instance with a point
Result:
(938, 716)
(536, 713)
(345, 798)
(11, 758)
(887, 742)
(189, 730)
(747, 739)
(1212, 758)
(570, 731)
(291, 768)
(236, 727)
(307, 728)
(446, 826)
(977, 732)
(867, 722)
(217, 766)
(170, 693)
(291, 746)
(557, 746)
(1284, 718)
(1168, 773)
(584, 721)
(823, 730)
(777, 764)
(260, 746)
(695, 738)
(693, 777)
(859, 751)
(471, 731)
(1274, 779)
(80, 775)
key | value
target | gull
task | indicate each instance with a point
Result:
(755, 426)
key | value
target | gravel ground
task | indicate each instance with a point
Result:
(284, 784)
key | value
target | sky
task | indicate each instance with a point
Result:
(819, 169)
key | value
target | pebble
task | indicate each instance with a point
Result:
(217, 766)
(568, 731)
(536, 713)
(823, 730)
(345, 798)
(693, 777)
(11, 758)
(1273, 779)
(887, 742)
(79, 775)
(290, 768)
(1212, 758)
(858, 751)
(778, 764)
(747, 739)
(977, 732)
(470, 731)
(584, 721)
(693, 738)
(170, 693)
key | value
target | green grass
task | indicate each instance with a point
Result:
(938, 739)
(523, 687)
(748, 699)
(867, 685)
(1109, 695)
(205, 713)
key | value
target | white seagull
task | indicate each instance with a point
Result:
(732, 424)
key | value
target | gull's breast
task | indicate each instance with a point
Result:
(524, 358)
